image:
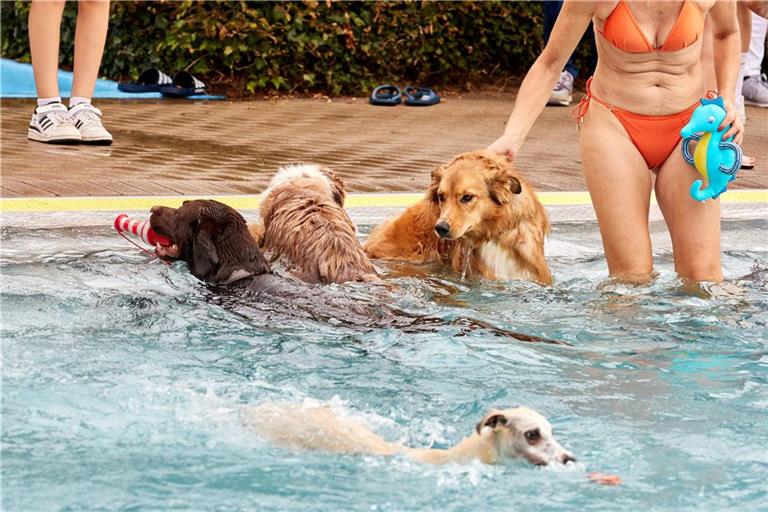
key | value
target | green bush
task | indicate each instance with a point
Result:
(330, 47)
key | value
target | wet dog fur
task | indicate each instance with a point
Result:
(306, 228)
(479, 216)
(214, 240)
(499, 436)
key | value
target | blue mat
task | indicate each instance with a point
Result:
(17, 81)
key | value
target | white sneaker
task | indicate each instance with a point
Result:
(51, 123)
(755, 90)
(88, 120)
(562, 94)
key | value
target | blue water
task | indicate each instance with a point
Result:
(123, 384)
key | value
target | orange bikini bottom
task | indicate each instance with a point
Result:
(654, 136)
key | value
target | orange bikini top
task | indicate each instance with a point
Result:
(622, 31)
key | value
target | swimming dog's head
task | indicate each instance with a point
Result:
(212, 238)
(473, 192)
(312, 177)
(522, 432)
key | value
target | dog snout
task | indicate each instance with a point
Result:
(442, 229)
(567, 457)
(155, 209)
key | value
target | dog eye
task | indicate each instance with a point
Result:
(533, 435)
(467, 198)
(440, 198)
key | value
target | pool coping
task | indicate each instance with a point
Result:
(367, 209)
(251, 201)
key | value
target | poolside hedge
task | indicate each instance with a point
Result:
(311, 46)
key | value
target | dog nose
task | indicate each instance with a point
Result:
(567, 457)
(154, 209)
(442, 229)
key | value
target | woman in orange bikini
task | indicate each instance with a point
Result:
(647, 82)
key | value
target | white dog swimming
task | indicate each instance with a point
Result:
(501, 435)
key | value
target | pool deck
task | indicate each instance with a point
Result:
(179, 147)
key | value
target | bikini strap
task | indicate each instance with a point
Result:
(581, 109)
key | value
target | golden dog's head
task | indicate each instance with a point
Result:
(471, 192)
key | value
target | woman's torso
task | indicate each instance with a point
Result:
(656, 82)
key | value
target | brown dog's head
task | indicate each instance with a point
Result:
(212, 238)
(471, 191)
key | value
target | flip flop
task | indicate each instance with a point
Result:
(149, 81)
(420, 96)
(184, 84)
(748, 162)
(386, 95)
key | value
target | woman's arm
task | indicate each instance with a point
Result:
(536, 88)
(726, 45)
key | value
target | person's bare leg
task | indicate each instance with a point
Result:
(90, 36)
(744, 15)
(44, 28)
(693, 225)
(620, 186)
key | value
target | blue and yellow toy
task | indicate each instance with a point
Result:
(716, 160)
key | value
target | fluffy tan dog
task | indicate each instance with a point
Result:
(479, 216)
(501, 435)
(306, 227)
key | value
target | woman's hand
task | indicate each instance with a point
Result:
(732, 118)
(504, 146)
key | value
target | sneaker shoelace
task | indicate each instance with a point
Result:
(564, 83)
(90, 115)
(58, 117)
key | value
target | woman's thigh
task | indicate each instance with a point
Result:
(620, 186)
(693, 225)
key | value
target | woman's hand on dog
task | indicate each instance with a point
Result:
(505, 146)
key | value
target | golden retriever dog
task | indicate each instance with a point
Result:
(306, 228)
(479, 216)
(500, 435)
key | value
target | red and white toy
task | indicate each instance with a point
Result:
(140, 229)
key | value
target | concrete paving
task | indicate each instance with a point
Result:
(170, 147)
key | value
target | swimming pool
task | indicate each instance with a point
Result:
(123, 383)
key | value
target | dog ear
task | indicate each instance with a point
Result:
(437, 176)
(337, 187)
(204, 254)
(493, 420)
(502, 185)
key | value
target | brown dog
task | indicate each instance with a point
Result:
(212, 238)
(479, 216)
(306, 227)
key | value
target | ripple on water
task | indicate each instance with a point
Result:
(124, 382)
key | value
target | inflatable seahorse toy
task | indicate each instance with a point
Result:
(716, 160)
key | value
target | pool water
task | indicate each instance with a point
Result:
(123, 383)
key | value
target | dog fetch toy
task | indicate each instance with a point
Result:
(140, 229)
(716, 160)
